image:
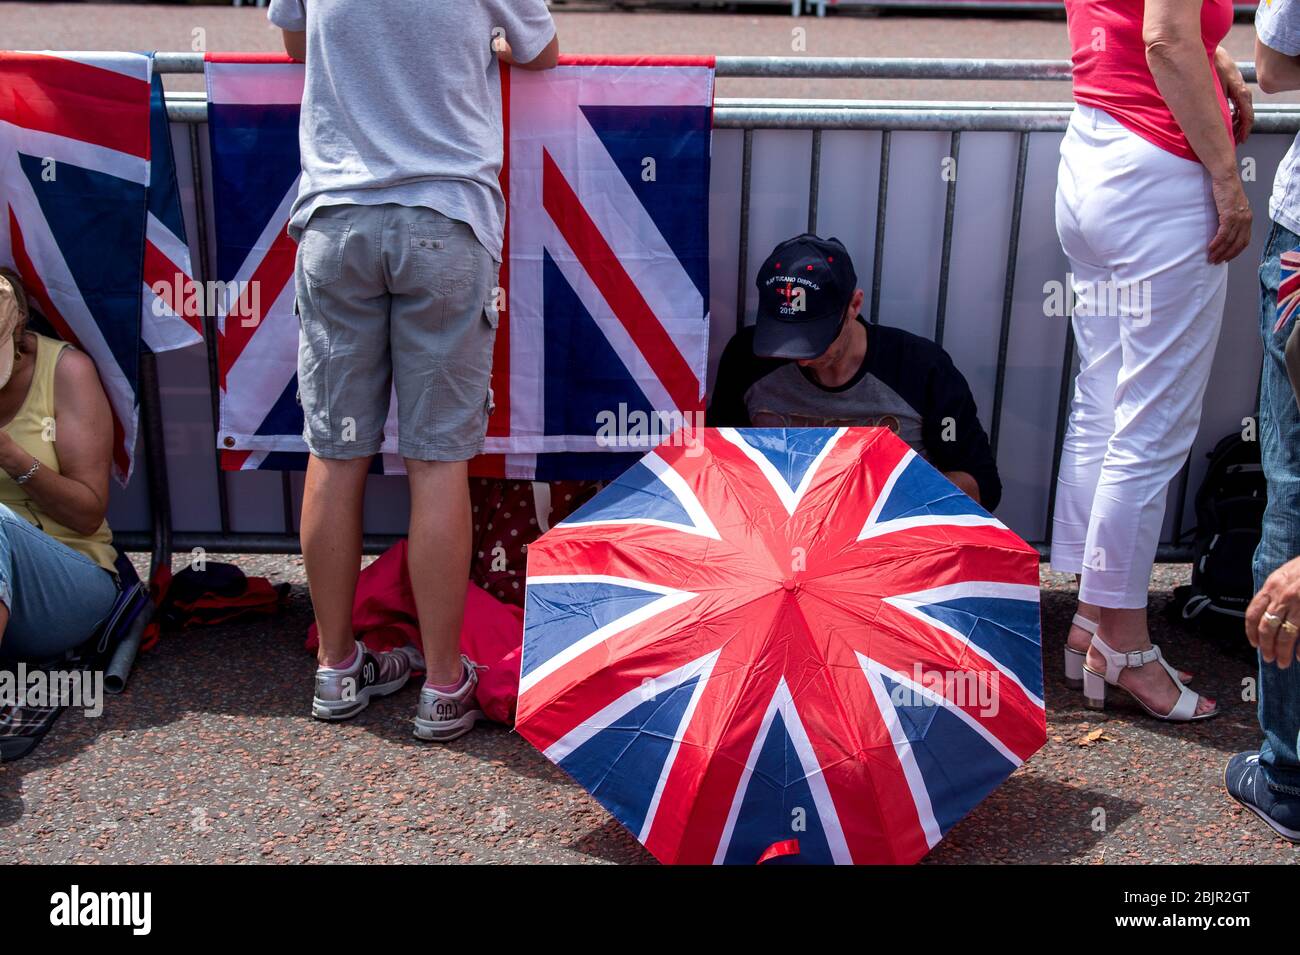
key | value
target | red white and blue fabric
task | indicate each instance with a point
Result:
(1288, 288)
(74, 172)
(606, 259)
(253, 105)
(606, 176)
(173, 303)
(752, 647)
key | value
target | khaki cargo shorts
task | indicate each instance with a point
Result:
(394, 298)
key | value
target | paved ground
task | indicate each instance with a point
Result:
(762, 32)
(210, 756)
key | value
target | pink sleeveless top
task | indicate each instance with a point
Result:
(1111, 72)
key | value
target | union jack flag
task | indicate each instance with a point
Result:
(606, 177)
(253, 106)
(77, 170)
(605, 272)
(766, 642)
(173, 304)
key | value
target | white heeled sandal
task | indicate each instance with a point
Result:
(1074, 658)
(1094, 683)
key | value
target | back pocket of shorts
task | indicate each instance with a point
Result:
(320, 253)
(439, 252)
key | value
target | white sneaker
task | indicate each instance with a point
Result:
(343, 693)
(444, 716)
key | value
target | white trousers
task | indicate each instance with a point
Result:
(1134, 221)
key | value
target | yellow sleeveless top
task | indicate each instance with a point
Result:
(30, 429)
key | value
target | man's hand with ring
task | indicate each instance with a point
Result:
(1273, 617)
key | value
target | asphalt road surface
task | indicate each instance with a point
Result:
(211, 755)
(767, 32)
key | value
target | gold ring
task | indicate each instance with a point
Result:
(1286, 625)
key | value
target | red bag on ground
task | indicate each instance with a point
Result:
(383, 617)
(219, 593)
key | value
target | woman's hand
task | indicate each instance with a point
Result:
(1233, 234)
(13, 459)
(1175, 52)
(1234, 219)
(1273, 613)
(1237, 92)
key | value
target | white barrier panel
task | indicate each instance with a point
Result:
(908, 295)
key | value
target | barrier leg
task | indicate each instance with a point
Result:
(155, 461)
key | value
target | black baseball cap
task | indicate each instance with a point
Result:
(803, 289)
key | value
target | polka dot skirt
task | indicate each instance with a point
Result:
(506, 522)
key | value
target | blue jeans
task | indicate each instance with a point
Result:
(1279, 431)
(56, 596)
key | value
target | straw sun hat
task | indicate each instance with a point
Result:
(13, 316)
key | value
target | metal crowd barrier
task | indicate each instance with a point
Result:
(748, 118)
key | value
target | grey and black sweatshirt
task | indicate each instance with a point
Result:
(906, 383)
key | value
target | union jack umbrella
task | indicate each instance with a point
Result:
(793, 644)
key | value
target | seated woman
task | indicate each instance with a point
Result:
(57, 579)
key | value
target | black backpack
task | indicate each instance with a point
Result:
(1229, 514)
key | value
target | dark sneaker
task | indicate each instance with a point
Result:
(444, 716)
(1247, 784)
(344, 693)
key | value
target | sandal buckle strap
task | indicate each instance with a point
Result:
(1138, 658)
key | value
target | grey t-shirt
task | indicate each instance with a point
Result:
(1278, 26)
(402, 103)
(785, 398)
(906, 383)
